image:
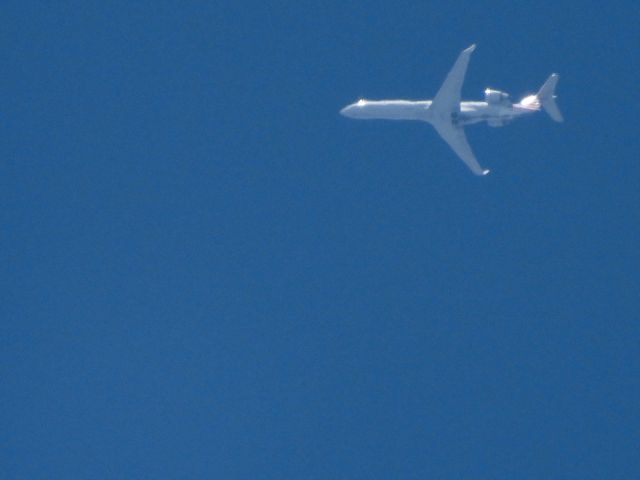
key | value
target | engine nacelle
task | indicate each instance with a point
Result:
(496, 97)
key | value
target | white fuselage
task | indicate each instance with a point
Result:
(470, 112)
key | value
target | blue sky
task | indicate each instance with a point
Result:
(208, 273)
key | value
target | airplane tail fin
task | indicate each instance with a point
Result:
(546, 96)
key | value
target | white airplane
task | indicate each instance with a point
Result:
(448, 114)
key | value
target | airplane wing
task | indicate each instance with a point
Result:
(446, 105)
(447, 100)
(457, 140)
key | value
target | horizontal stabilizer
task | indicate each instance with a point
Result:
(546, 96)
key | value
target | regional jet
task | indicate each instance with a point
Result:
(449, 115)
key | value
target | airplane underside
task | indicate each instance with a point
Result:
(492, 120)
(448, 114)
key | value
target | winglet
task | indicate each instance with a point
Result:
(485, 172)
(470, 48)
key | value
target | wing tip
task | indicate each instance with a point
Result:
(485, 172)
(470, 48)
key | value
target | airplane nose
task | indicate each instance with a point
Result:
(354, 110)
(350, 110)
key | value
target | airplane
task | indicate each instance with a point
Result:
(449, 115)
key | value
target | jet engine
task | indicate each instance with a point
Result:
(496, 97)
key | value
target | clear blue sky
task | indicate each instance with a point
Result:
(207, 272)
